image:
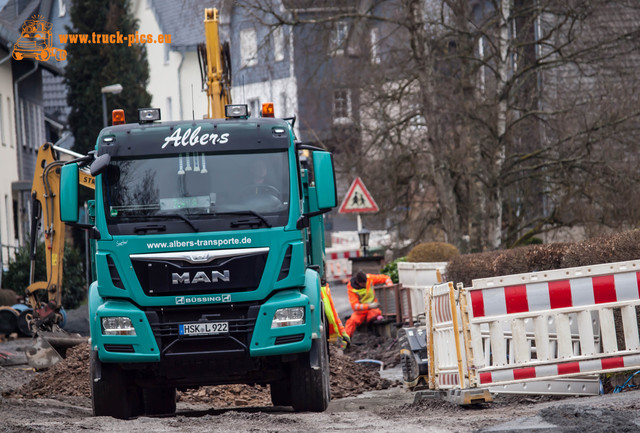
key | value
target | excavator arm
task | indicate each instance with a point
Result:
(215, 67)
(45, 297)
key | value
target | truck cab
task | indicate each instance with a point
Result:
(208, 256)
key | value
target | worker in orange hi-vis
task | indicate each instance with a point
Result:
(363, 299)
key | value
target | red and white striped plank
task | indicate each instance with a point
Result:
(541, 296)
(342, 254)
(601, 365)
(442, 309)
(442, 303)
(448, 380)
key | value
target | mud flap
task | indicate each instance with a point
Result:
(314, 356)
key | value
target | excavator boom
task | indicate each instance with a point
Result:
(215, 66)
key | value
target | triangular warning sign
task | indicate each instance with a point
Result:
(358, 199)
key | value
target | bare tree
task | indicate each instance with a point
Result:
(492, 121)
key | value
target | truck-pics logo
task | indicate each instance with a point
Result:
(36, 41)
(200, 277)
(186, 300)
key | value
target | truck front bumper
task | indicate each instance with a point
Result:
(159, 335)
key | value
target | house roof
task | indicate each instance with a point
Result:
(183, 20)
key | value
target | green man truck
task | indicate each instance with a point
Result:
(208, 256)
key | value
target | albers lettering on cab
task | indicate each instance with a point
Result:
(192, 138)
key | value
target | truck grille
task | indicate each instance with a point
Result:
(200, 272)
(165, 326)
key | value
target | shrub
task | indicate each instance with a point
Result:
(8, 297)
(391, 269)
(73, 278)
(432, 252)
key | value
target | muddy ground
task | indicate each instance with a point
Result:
(59, 400)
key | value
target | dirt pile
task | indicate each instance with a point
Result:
(367, 345)
(71, 378)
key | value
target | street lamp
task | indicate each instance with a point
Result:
(364, 234)
(114, 89)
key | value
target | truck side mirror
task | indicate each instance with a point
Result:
(325, 180)
(100, 164)
(69, 193)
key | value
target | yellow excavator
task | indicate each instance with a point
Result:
(215, 67)
(45, 297)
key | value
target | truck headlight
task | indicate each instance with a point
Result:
(288, 317)
(117, 326)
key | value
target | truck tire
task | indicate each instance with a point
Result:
(311, 388)
(408, 362)
(159, 401)
(281, 393)
(116, 393)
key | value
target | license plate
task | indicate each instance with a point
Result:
(209, 328)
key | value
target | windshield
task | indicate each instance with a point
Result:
(198, 192)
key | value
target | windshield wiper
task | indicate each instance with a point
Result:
(167, 215)
(236, 223)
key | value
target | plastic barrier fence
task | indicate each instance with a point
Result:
(338, 269)
(416, 278)
(535, 326)
(446, 363)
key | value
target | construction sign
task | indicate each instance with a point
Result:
(358, 199)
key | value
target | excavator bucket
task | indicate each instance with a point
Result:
(50, 348)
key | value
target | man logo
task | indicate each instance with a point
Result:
(180, 300)
(200, 277)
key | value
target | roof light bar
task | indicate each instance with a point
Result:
(148, 115)
(117, 117)
(236, 111)
(267, 109)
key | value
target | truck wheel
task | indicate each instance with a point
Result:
(311, 388)
(281, 393)
(159, 401)
(115, 394)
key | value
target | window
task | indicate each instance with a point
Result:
(375, 55)
(10, 129)
(62, 8)
(342, 106)
(7, 210)
(285, 105)
(166, 54)
(169, 115)
(248, 47)
(254, 107)
(339, 37)
(23, 113)
(278, 44)
(2, 133)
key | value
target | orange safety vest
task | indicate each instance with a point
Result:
(361, 298)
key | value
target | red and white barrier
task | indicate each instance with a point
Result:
(535, 326)
(444, 337)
